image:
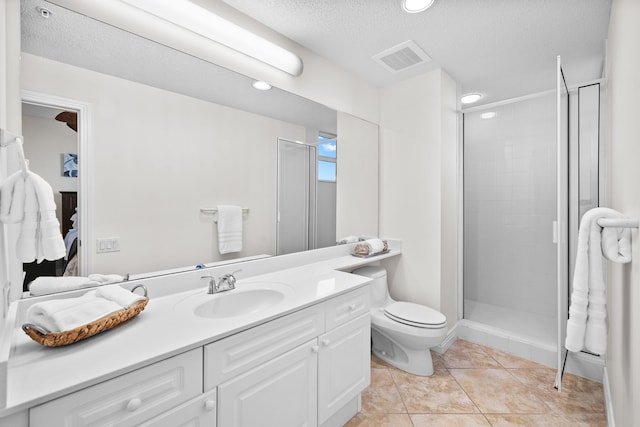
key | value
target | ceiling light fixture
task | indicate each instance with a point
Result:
(470, 98)
(488, 115)
(205, 23)
(260, 85)
(416, 6)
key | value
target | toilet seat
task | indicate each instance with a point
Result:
(416, 315)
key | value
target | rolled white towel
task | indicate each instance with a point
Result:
(65, 314)
(370, 247)
(45, 285)
(119, 295)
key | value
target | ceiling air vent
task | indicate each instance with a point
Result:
(402, 57)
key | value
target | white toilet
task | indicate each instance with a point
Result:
(402, 333)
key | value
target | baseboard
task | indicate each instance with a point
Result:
(607, 399)
(451, 337)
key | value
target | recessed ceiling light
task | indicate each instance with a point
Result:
(260, 85)
(488, 115)
(470, 98)
(416, 6)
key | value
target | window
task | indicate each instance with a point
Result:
(327, 156)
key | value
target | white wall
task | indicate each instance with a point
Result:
(157, 157)
(623, 72)
(418, 206)
(357, 177)
(45, 141)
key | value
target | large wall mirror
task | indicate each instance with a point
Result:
(168, 135)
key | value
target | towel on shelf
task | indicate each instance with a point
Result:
(45, 285)
(370, 247)
(586, 327)
(61, 315)
(121, 296)
(229, 229)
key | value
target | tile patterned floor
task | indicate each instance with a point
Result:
(475, 385)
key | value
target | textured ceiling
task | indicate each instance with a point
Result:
(502, 48)
(77, 40)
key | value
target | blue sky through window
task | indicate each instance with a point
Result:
(326, 171)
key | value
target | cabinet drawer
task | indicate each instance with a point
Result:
(346, 307)
(200, 411)
(238, 353)
(128, 399)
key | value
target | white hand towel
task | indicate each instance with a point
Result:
(377, 245)
(586, 327)
(66, 314)
(119, 295)
(229, 229)
(45, 285)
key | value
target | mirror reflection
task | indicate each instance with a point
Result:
(171, 137)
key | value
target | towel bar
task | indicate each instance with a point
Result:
(618, 222)
(215, 210)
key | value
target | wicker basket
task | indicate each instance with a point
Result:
(57, 339)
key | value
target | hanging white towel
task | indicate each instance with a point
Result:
(586, 327)
(12, 194)
(229, 229)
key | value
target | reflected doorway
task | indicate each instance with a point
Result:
(51, 145)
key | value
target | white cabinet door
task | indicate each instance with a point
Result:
(343, 365)
(279, 393)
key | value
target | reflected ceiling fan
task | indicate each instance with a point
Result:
(70, 118)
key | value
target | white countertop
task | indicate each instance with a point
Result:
(37, 374)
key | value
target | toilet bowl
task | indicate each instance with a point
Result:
(402, 333)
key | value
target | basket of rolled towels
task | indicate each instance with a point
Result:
(370, 247)
(59, 322)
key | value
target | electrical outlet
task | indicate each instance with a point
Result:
(110, 244)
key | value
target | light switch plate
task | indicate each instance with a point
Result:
(109, 244)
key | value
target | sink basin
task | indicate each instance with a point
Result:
(247, 298)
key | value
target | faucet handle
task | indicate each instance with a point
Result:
(230, 278)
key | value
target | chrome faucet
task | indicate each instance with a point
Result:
(225, 283)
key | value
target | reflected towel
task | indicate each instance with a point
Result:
(61, 315)
(12, 194)
(229, 229)
(586, 327)
(105, 279)
(45, 285)
(119, 295)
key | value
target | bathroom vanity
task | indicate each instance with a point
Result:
(290, 346)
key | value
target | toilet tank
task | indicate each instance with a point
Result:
(379, 290)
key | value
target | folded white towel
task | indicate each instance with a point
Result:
(119, 295)
(45, 285)
(105, 279)
(229, 229)
(65, 314)
(377, 245)
(586, 327)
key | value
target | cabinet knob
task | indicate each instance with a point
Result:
(326, 343)
(210, 405)
(315, 348)
(352, 307)
(134, 404)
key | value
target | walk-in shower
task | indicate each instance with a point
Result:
(530, 170)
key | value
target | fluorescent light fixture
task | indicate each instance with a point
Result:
(205, 23)
(470, 98)
(488, 115)
(260, 85)
(416, 6)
